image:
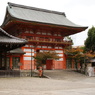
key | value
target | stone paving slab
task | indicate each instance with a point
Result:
(88, 91)
(69, 75)
(53, 86)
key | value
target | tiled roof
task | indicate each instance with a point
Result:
(16, 51)
(39, 15)
(9, 42)
(7, 38)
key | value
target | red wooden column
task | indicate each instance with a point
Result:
(64, 62)
(11, 62)
(34, 61)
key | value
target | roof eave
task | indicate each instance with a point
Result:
(14, 17)
(37, 22)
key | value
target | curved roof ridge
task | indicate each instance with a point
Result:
(37, 9)
(11, 35)
(9, 42)
(37, 15)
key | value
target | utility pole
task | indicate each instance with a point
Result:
(31, 60)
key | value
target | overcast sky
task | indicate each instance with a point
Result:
(80, 12)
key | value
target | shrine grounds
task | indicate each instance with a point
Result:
(59, 82)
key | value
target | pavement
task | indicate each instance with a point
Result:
(59, 82)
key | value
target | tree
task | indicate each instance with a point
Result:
(75, 54)
(90, 41)
(41, 57)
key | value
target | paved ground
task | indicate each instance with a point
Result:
(68, 75)
(60, 82)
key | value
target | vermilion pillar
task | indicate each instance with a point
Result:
(11, 62)
(64, 62)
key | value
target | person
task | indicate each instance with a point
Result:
(40, 71)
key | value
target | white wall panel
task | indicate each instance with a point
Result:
(61, 55)
(27, 54)
(28, 58)
(27, 50)
(59, 51)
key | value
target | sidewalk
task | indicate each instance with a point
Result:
(69, 75)
(60, 83)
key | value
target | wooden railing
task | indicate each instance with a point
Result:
(50, 41)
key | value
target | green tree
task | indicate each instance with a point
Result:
(90, 41)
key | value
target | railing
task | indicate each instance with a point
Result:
(49, 41)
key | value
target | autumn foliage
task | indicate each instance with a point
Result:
(41, 57)
(78, 55)
(74, 52)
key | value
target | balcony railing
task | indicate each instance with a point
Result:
(49, 41)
